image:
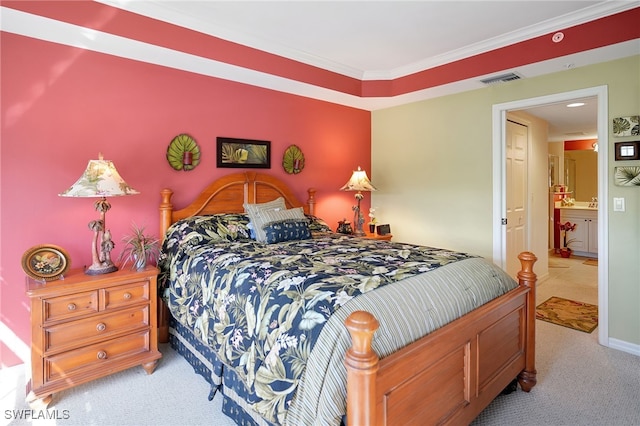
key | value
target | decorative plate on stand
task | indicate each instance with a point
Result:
(293, 160)
(46, 262)
(183, 153)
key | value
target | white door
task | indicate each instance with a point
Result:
(516, 186)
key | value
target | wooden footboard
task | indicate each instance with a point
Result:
(450, 375)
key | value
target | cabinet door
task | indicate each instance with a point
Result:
(580, 235)
(593, 236)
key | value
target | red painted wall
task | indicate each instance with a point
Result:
(61, 106)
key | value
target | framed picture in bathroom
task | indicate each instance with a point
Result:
(627, 150)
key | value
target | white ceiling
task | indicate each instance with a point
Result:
(375, 39)
(390, 39)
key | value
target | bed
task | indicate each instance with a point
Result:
(452, 331)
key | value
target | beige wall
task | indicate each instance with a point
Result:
(432, 165)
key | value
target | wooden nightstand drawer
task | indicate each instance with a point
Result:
(124, 295)
(70, 306)
(78, 333)
(94, 357)
(84, 327)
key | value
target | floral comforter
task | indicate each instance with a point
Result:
(261, 307)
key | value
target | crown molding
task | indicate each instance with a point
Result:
(588, 14)
(167, 12)
(50, 30)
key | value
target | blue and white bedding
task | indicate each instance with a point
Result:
(270, 315)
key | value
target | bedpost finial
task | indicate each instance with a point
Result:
(526, 274)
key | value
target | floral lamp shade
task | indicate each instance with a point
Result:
(100, 179)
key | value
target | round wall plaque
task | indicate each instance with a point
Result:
(293, 160)
(183, 153)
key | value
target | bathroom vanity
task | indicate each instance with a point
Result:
(586, 233)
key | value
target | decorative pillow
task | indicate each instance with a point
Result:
(266, 217)
(229, 227)
(253, 210)
(287, 230)
(317, 225)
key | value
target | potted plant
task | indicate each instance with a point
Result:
(372, 220)
(565, 250)
(139, 248)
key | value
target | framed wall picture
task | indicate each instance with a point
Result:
(627, 150)
(243, 153)
(627, 176)
(626, 126)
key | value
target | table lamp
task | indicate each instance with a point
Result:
(358, 182)
(101, 180)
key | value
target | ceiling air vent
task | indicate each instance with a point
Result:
(501, 78)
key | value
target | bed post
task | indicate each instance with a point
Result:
(527, 278)
(166, 210)
(311, 201)
(362, 365)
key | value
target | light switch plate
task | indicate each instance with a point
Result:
(618, 204)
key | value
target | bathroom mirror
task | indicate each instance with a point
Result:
(553, 170)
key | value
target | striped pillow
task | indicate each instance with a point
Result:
(252, 211)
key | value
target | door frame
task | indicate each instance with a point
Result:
(499, 117)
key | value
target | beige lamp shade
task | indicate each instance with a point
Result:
(358, 182)
(100, 179)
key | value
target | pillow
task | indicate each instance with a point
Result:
(287, 230)
(266, 217)
(197, 230)
(253, 210)
(318, 226)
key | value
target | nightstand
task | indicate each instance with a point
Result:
(85, 327)
(375, 236)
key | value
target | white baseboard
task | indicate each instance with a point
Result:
(623, 346)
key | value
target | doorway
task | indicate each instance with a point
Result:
(500, 189)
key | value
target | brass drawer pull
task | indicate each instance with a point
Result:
(71, 307)
(102, 355)
(126, 296)
(101, 326)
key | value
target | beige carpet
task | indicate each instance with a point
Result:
(556, 263)
(175, 395)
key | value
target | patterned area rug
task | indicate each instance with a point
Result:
(569, 313)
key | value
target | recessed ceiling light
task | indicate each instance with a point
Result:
(575, 104)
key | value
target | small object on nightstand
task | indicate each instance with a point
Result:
(344, 227)
(87, 327)
(46, 262)
(383, 229)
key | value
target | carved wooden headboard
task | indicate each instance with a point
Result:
(228, 194)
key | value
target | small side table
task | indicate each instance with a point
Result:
(375, 236)
(85, 327)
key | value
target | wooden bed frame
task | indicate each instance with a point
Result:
(446, 377)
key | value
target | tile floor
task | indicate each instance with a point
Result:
(571, 279)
